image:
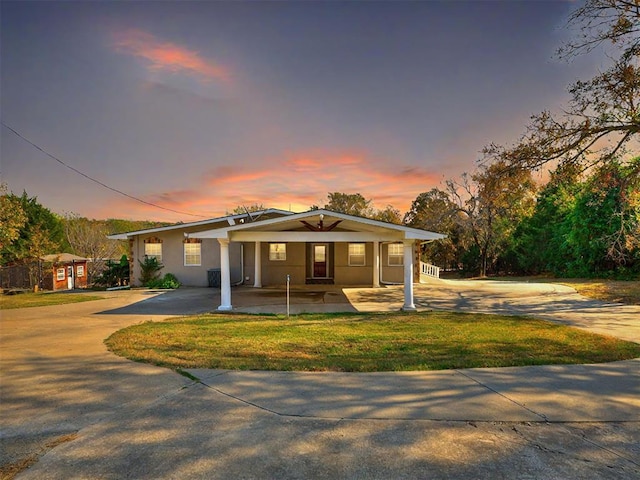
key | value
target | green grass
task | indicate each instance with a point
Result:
(363, 342)
(42, 299)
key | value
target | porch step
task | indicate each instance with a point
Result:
(319, 281)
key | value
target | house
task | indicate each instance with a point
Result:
(267, 247)
(64, 271)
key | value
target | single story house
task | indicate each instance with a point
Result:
(268, 247)
(64, 271)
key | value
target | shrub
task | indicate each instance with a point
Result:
(150, 270)
(169, 281)
(116, 274)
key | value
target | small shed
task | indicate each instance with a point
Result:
(64, 271)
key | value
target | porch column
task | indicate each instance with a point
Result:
(257, 273)
(408, 276)
(376, 263)
(225, 276)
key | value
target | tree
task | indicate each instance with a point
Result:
(255, 207)
(88, 238)
(350, 204)
(583, 225)
(604, 234)
(605, 21)
(42, 233)
(603, 118)
(389, 215)
(432, 210)
(435, 211)
(538, 243)
(491, 203)
(12, 217)
(603, 115)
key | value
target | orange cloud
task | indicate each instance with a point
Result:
(296, 181)
(167, 56)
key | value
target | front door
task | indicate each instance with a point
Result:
(320, 256)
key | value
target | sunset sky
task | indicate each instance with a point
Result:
(200, 107)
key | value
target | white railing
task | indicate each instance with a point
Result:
(429, 270)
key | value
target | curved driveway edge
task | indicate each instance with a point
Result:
(557, 393)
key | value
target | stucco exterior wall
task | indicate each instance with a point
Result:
(353, 275)
(390, 273)
(173, 259)
(249, 262)
(274, 272)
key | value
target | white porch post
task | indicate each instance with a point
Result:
(257, 258)
(376, 263)
(225, 276)
(408, 276)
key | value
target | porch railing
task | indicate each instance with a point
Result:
(429, 270)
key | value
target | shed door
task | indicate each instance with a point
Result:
(320, 261)
(70, 278)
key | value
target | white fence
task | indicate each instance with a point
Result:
(429, 270)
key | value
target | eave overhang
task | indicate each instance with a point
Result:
(292, 229)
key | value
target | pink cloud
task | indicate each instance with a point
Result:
(296, 181)
(167, 56)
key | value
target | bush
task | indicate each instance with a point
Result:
(169, 281)
(150, 269)
(116, 274)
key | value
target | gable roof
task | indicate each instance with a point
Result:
(346, 224)
(63, 258)
(227, 220)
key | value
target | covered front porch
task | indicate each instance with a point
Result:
(323, 247)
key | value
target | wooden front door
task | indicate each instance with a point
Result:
(320, 256)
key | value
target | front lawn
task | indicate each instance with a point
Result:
(363, 342)
(43, 299)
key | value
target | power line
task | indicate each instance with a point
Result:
(97, 181)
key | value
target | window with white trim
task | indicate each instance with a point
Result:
(277, 252)
(60, 273)
(192, 254)
(356, 254)
(153, 250)
(79, 270)
(395, 255)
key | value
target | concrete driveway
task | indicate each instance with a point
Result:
(77, 411)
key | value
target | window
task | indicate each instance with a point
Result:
(60, 274)
(396, 254)
(192, 254)
(80, 271)
(153, 250)
(277, 252)
(356, 254)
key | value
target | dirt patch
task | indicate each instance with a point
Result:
(28, 453)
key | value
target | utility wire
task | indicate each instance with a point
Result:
(97, 181)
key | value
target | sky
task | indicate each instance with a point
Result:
(196, 108)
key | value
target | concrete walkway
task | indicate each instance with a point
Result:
(82, 412)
